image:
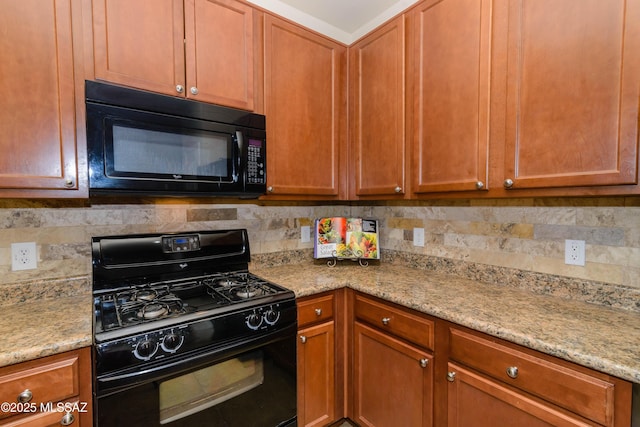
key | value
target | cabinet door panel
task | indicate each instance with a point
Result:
(572, 92)
(140, 43)
(377, 102)
(316, 368)
(305, 95)
(37, 112)
(391, 388)
(478, 401)
(451, 100)
(220, 52)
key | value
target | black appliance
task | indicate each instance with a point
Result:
(145, 143)
(185, 335)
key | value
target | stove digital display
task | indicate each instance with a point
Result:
(180, 243)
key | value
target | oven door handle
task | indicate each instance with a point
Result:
(112, 382)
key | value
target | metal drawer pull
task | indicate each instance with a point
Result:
(512, 371)
(318, 312)
(424, 363)
(386, 320)
(67, 419)
(451, 376)
(25, 396)
(303, 339)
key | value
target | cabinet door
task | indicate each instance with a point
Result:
(479, 401)
(305, 96)
(393, 381)
(140, 43)
(573, 86)
(452, 42)
(316, 372)
(220, 52)
(377, 125)
(38, 111)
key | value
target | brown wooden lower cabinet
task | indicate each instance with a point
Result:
(53, 390)
(492, 382)
(317, 373)
(405, 368)
(476, 400)
(393, 380)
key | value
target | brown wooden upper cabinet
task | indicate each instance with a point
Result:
(451, 95)
(377, 112)
(572, 92)
(40, 83)
(305, 105)
(200, 49)
(534, 94)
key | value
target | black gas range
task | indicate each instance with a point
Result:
(171, 309)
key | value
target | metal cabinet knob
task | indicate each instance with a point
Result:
(68, 182)
(67, 419)
(479, 185)
(424, 363)
(397, 189)
(25, 396)
(451, 376)
(303, 339)
(386, 320)
(318, 312)
(179, 88)
(270, 189)
(512, 371)
(508, 183)
(194, 90)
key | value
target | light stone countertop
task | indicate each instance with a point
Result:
(39, 328)
(598, 337)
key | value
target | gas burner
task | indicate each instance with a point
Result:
(228, 282)
(247, 292)
(153, 311)
(145, 295)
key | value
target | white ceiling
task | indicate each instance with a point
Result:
(342, 20)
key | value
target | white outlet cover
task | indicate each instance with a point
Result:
(418, 237)
(574, 252)
(24, 256)
(305, 234)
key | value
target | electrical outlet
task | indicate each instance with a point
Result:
(305, 234)
(23, 256)
(574, 252)
(418, 237)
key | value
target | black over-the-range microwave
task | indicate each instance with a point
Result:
(144, 143)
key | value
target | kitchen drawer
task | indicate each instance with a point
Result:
(49, 418)
(572, 389)
(315, 309)
(399, 322)
(47, 380)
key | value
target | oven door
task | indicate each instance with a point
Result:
(250, 384)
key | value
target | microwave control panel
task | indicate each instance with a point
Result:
(255, 162)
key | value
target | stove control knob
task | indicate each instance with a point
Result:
(254, 320)
(271, 316)
(171, 342)
(145, 349)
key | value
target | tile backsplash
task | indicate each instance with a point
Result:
(524, 234)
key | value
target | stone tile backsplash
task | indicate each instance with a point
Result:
(511, 235)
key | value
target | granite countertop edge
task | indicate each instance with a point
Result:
(575, 331)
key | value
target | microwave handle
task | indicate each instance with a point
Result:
(238, 163)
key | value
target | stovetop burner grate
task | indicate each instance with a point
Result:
(160, 300)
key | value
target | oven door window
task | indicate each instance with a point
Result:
(207, 387)
(163, 153)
